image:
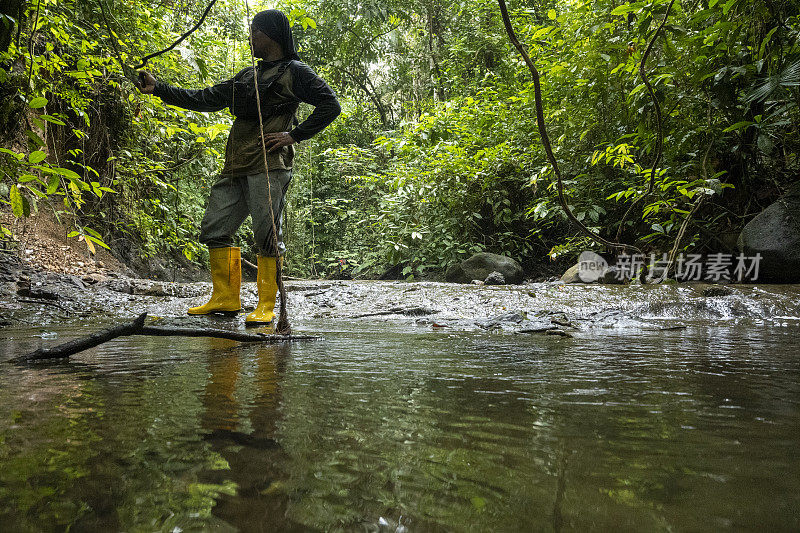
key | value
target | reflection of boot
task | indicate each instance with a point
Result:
(226, 278)
(267, 284)
(221, 404)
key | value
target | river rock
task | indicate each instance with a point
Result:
(571, 275)
(122, 285)
(38, 291)
(500, 320)
(93, 277)
(9, 266)
(716, 290)
(611, 275)
(775, 234)
(479, 266)
(495, 278)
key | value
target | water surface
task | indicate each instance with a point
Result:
(385, 426)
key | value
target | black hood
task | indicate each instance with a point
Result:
(275, 25)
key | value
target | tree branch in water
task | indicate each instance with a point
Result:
(137, 327)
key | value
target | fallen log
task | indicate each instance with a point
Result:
(78, 345)
(137, 327)
(222, 334)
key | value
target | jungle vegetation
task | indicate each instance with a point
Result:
(436, 154)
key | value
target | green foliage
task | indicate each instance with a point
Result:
(437, 154)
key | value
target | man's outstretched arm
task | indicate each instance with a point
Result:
(214, 98)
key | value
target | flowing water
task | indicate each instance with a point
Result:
(400, 426)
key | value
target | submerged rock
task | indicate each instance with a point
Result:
(775, 234)
(481, 265)
(716, 290)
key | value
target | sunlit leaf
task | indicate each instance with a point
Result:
(17, 205)
(38, 102)
(36, 157)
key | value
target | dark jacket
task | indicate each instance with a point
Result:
(243, 153)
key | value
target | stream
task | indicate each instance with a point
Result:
(423, 407)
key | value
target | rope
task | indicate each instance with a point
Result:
(283, 327)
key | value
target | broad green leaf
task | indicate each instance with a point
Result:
(52, 119)
(38, 102)
(37, 192)
(34, 137)
(53, 183)
(16, 155)
(540, 32)
(738, 126)
(17, 206)
(621, 10)
(36, 157)
(97, 241)
(90, 231)
(69, 174)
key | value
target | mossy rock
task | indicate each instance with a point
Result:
(479, 266)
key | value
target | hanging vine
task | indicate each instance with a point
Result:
(546, 139)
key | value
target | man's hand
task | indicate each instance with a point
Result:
(276, 141)
(146, 83)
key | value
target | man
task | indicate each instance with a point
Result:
(244, 187)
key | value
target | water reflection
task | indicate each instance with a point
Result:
(242, 411)
(379, 429)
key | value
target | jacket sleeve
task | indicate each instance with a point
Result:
(214, 98)
(312, 89)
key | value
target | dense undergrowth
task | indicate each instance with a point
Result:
(436, 155)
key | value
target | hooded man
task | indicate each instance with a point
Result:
(244, 186)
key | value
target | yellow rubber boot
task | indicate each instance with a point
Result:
(226, 278)
(267, 284)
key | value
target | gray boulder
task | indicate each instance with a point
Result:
(611, 275)
(479, 266)
(571, 275)
(495, 278)
(775, 234)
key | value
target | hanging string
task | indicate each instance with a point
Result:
(283, 326)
